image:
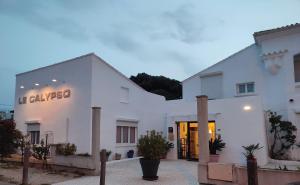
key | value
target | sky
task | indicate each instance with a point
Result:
(174, 38)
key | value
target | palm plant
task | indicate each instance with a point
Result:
(250, 150)
(216, 145)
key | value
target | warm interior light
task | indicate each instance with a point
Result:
(54, 80)
(247, 107)
(36, 84)
(209, 131)
(22, 87)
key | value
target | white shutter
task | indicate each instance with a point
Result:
(212, 86)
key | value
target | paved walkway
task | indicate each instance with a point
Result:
(129, 173)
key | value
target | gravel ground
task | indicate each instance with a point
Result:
(177, 172)
(12, 174)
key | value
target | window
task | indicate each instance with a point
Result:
(33, 129)
(34, 137)
(245, 88)
(212, 85)
(124, 95)
(126, 134)
(297, 68)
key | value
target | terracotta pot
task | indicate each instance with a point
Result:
(214, 158)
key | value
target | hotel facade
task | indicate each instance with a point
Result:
(56, 101)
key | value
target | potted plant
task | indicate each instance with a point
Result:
(168, 146)
(118, 156)
(108, 152)
(251, 163)
(214, 146)
(130, 153)
(151, 146)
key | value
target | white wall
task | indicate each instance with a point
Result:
(243, 66)
(146, 108)
(52, 115)
(248, 65)
(237, 127)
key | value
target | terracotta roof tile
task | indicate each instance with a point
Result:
(283, 28)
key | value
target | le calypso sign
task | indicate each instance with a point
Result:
(49, 96)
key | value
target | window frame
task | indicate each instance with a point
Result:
(129, 125)
(246, 89)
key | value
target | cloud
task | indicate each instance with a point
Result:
(181, 24)
(120, 40)
(35, 13)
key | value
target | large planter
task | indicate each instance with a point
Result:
(252, 171)
(149, 168)
(214, 158)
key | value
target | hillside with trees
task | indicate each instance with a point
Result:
(169, 88)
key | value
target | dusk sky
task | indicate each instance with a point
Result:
(174, 38)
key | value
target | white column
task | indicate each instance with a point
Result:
(96, 111)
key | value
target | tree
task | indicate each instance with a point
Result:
(284, 137)
(169, 88)
(9, 138)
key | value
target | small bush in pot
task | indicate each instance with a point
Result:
(130, 153)
(151, 147)
(118, 156)
(214, 146)
(66, 149)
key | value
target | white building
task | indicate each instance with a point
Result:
(57, 100)
(269, 68)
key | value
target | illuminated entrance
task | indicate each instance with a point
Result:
(187, 139)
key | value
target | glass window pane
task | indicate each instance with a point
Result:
(118, 135)
(297, 68)
(242, 88)
(125, 135)
(132, 134)
(37, 137)
(250, 87)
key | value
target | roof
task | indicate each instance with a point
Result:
(276, 30)
(221, 61)
(99, 59)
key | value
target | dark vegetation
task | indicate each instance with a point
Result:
(169, 88)
(284, 136)
(9, 138)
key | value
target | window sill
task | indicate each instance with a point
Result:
(246, 94)
(297, 84)
(126, 145)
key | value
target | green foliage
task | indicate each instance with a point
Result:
(40, 151)
(9, 137)
(250, 150)
(66, 149)
(152, 145)
(216, 145)
(284, 137)
(169, 88)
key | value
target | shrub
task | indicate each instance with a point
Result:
(152, 145)
(9, 138)
(66, 149)
(284, 137)
(40, 151)
(216, 145)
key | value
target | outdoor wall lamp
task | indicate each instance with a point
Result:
(247, 107)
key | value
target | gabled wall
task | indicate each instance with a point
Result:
(243, 66)
(145, 108)
(67, 119)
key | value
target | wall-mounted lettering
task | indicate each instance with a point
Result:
(49, 96)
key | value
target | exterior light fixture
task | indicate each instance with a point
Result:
(36, 84)
(247, 107)
(21, 87)
(54, 80)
